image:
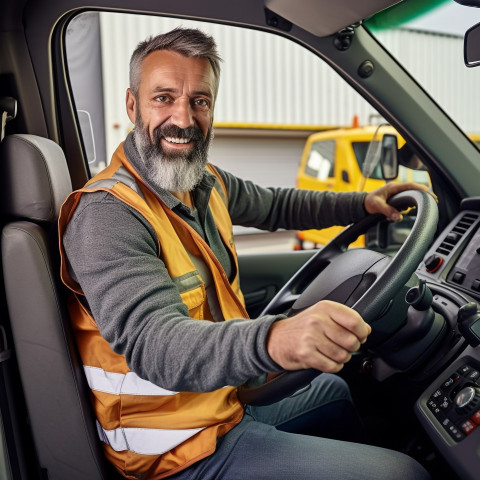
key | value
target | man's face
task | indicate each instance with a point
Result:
(173, 115)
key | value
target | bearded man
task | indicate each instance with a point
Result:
(160, 321)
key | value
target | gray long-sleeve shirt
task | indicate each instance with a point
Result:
(112, 253)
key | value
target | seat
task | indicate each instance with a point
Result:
(34, 183)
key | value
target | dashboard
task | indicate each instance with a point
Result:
(449, 409)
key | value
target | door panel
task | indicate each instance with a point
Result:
(262, 275)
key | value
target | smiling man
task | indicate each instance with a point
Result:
(173, 118)
(159, 317)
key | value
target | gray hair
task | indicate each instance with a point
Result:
(186, 41)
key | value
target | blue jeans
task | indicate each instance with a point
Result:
(309, 435)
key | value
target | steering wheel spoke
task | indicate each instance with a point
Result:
(282, 305)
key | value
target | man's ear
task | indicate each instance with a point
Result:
(131, 103)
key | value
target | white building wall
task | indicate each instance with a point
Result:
(257, 88)
(427, 59)
(309, 93)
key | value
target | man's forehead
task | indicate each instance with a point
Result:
(168, 66)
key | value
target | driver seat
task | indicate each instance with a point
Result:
(34, 183)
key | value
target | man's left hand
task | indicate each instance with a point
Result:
(376, 201)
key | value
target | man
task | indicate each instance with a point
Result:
(147, 249)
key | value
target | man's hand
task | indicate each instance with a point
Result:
(323, 336)
(376, 201)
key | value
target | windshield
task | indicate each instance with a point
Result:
(426, 37)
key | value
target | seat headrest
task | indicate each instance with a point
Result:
(34, 177)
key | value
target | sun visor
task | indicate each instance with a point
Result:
(304, 13)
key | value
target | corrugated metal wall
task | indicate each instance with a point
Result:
(290, 85)
(270, 80)
(457, 86)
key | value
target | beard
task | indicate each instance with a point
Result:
(172, 171)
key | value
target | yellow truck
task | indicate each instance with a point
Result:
(333, 160)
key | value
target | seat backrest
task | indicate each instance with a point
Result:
(34, 181)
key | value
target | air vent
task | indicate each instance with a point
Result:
(457, 232)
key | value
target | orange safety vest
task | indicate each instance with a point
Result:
(148, 431)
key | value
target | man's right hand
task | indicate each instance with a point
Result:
(323, 337)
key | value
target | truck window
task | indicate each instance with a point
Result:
(255, 134)
(321, 159)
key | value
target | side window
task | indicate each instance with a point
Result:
(320, 162)
(259, 131)
(421, 176)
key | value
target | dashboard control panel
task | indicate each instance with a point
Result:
(455, 402)
(454, 258)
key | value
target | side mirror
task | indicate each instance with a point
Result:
(471, 46)
(389, 156)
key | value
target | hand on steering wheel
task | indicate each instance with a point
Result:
(362, 279)
(323, 337)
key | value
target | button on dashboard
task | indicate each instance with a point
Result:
(473, 375)
(455, 432)
(444, 403)
(433, 263)
(468, 427)
(437, 394)
(458, 277)
(476, 418)
(448, 384)
(433, 406)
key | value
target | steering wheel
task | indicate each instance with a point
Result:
(363, 279)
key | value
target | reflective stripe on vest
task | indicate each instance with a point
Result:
(121, 384)
(144, 441)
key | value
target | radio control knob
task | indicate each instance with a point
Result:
(433, 263)
(464, 397)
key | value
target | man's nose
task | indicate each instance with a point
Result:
(182, 115)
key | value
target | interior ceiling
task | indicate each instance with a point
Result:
(325, 17)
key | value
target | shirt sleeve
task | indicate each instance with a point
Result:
(113, 254)
(251, 205)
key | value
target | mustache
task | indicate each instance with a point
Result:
(190, 133)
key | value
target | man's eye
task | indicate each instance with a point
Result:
(201, 102)
(162, 98)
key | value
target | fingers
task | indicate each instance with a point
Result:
(347, 319)
(323, 336)
(393, 188)
(376, 201)
(392, 214)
